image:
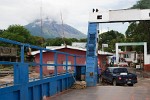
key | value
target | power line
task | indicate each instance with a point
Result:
(41, 8)
(63, 29)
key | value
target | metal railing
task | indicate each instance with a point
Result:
(43, 84)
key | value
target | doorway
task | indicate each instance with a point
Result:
(80, 73)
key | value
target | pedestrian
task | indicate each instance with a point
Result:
(98, 73)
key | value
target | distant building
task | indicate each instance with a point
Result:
(8, 54)
(79, 45)
(48, 58)
(126, 58)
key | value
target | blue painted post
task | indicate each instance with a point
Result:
(67, 83)
(49, 88)
(55, 62)
(75, 65)
(22, 53)
(41, 64)
(53, 88)
(21, 77)
(66, 63)
(23, 80)
(42, 90)
(91, 55)
(16, 74)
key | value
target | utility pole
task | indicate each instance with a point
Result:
(41, 8)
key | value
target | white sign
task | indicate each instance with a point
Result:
(125, 15)
(69, 63)
(50, 67)
(104, 45)
(123, 73)
(138, 66)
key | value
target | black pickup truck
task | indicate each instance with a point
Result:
(118, 76)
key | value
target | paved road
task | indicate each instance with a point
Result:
(140, 91)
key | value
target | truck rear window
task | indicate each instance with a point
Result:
(120, 70)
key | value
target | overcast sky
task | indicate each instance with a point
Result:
(74, 12)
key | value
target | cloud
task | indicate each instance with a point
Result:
(75, 12)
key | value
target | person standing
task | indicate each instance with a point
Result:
(98, 73)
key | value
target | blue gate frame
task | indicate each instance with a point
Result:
(91, 54)
(24, 89)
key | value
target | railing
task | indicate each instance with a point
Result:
(25, 88)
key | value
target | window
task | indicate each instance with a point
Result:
(107, 70)
(120, 70)
(69, 63)
(99, 17)
(115, 71)
(50, 67)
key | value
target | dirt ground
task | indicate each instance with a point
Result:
(143, 82)
(143, 77)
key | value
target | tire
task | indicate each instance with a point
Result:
(130, 84)
(101, 80)
(114, 83)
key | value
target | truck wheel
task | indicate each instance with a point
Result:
(101, 80)
(130, 84)
(114, 83)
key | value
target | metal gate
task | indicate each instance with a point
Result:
(24, 88)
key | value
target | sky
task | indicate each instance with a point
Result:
(74, 12)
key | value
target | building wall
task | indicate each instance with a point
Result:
(103, 61)
(77, 52)
(49, 56)
(147, 66)
(147, 60)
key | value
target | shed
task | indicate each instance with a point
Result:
(48, 58)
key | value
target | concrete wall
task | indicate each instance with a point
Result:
(147, 59)
(147, 65)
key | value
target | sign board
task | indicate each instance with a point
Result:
(69, 63)
(50, 67)
(125, 15)
(138, 66)
(8, 51)
(104, 45)
(79, 44)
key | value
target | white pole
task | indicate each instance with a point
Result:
(117, 55)
(145, 53)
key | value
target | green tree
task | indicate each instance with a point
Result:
(17, 33)
(60, 41)
(83, 40)
(142, 4)
(139, 32)
(110, 38)
(1, 31)
(21, 34)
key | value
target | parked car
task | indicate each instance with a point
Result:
(118, 75)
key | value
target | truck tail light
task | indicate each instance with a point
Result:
(119, 78)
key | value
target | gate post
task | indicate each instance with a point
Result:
(21, 78)
(91, 54)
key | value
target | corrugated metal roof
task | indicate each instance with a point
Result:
(70, 47)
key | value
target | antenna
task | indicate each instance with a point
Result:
(63, 29)
(41, 18)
